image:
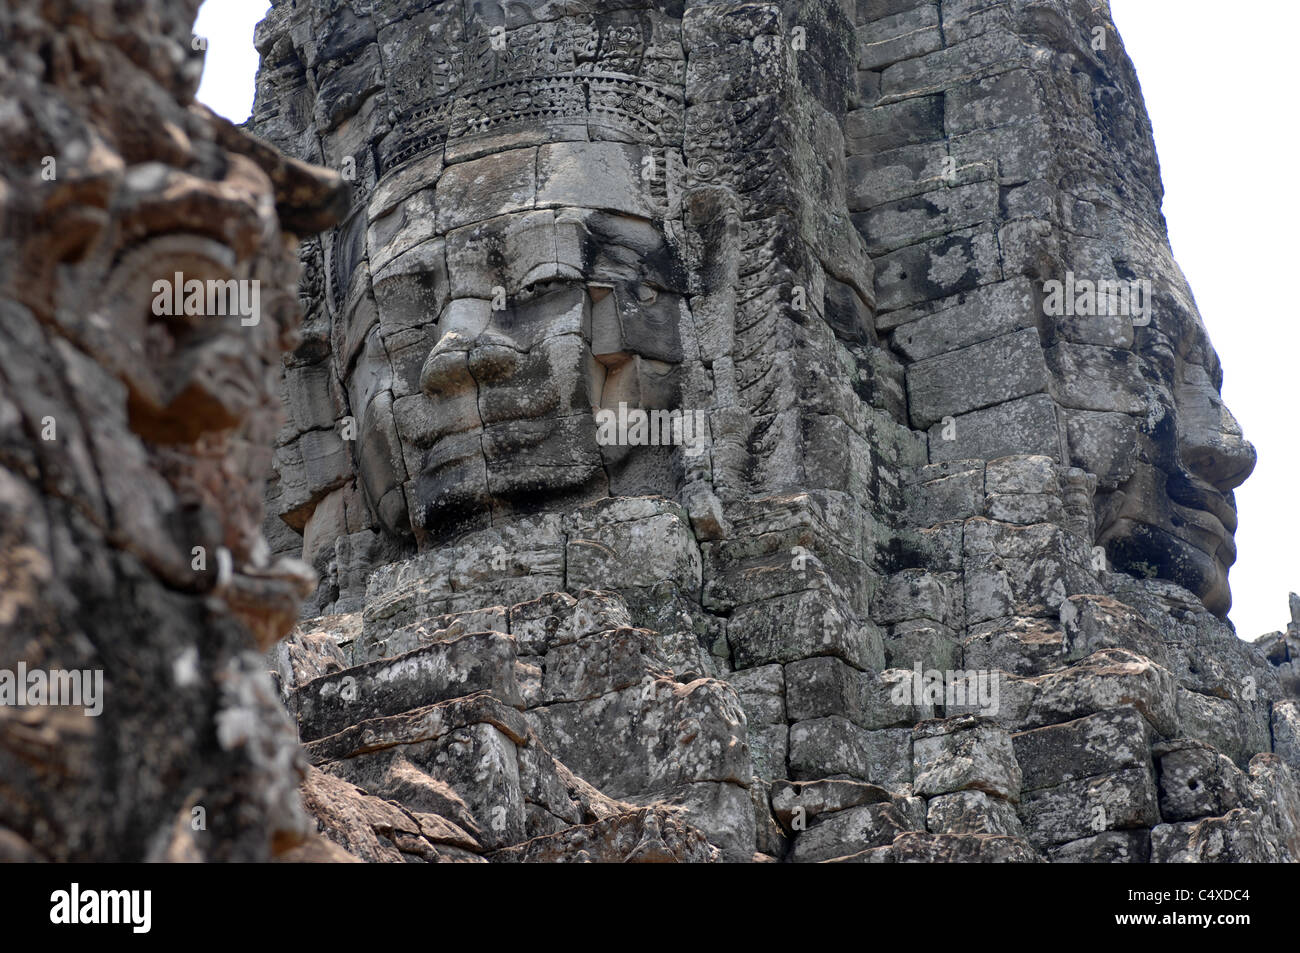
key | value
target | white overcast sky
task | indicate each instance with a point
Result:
(1219, 89)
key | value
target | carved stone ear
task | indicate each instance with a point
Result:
(347, 250)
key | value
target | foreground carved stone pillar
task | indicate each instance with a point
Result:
(133, 447)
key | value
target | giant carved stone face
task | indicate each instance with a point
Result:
(1174, 514)
(511, 384)
(522, 274)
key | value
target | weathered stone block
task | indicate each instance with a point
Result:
(828, 746)
(1077, 809)
(1093, 623)
(1108, 847)
(917, 848)
(631, 543)
(1103, 743)
(803, 626)
(954, 497)
(1030, 425)
(899, 37)
(1196, 781)
(807, 801)
(931, 214)
(1022, 475)
(1017, 645)
(818, 687)
(1096, 378)
(481, 662)
(900, 124)
(937, 268)
(848, 832)
(913, 594)
(932, 645)
(1238, 837)
(1001, 100)
(982, 375)
(972, 812)
(1286, 733)
(964, 754)
(1113, 678)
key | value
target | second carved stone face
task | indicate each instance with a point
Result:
(1174, 515)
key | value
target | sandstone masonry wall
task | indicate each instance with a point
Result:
(949, 581)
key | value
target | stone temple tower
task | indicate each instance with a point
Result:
(945, 576)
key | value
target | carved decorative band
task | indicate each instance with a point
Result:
(644, 109)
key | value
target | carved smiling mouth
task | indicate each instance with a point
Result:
(1194, 494)
(1192, 546)
(1206, 532)
(518, 465)
(1153, 552)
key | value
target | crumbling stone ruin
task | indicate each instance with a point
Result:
(768, 431)
(945, 576)
(133, 447)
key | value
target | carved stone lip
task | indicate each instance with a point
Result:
(1202, 515)
(1197, 565)
(1193, 493)
(1191, 537)
(1207, 533)
(451, 450)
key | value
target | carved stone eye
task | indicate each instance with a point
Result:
(646, 294)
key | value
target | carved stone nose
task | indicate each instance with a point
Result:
(493, 363)
(1222, 460)
(1211, 445)
(446, 371)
